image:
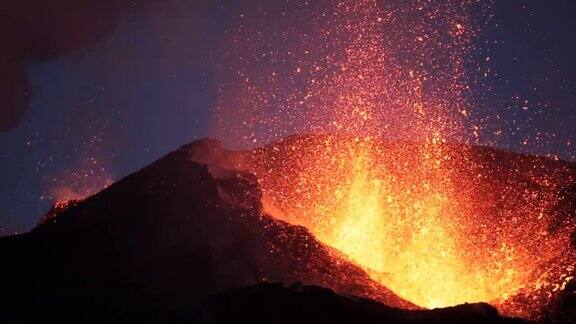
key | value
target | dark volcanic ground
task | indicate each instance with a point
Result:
(175, 243)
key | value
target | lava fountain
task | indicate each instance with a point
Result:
(437, 223)
(430, 221)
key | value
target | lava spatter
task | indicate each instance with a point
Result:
(386, 185)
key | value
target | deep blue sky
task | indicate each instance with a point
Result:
(148, 87)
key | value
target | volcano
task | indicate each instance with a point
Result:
(212, 235)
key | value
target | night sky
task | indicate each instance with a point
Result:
(116, 89)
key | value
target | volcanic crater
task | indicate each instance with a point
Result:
(386, 228)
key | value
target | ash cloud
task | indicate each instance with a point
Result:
(33, 30)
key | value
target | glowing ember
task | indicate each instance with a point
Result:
(57, 208)
(433, 222)
(72, 185)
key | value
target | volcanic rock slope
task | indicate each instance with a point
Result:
(178, 243)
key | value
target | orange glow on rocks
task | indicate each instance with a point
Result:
(77, 184)
(424, 220)
(439, 224)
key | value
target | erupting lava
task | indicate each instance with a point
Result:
(426, 220)
(434, 223)
(390, 218)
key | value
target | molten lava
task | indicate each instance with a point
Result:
(424, 220)
(438, 224)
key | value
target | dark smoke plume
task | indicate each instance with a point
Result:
(36, 30)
